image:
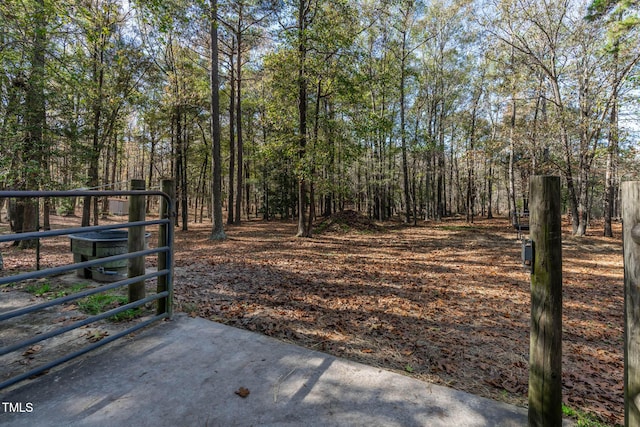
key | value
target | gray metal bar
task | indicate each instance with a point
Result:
(170, 234)
(164, 222)
(170, 276)
(59, 301)
(85, 264)
(80, 193)
(77, 230)
(80, 323)
(80, 352)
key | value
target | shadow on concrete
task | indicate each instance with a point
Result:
(185, 372)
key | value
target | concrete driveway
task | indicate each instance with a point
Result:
(192, 372)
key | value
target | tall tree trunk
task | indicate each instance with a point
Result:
(240, 175)
(566, 144)
(450, 193)
(105, 177)
(303, 202)
(152, 159)
(180, 171)
(490, 191)
(217, 232)
(513, 207)
(330, 169)
(34, 123)
(438, 185)
(612, 156)
(247, 190)
(265, 170)
(441, 196)
(46, 213)
(97, 107)
(403, 133)
(585, 158)
(316, 133)
(471, 184)
(202, 192)
(232, 133)
(583, 198)
(114, 167)
(184, 194)
(201, 189)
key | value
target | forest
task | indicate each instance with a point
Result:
(298, 109)
(401, 134)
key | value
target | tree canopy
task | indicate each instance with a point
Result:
(400, 108)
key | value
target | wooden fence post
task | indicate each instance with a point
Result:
(136, 241)
(165, 305)
(545, 349)
(631, 245)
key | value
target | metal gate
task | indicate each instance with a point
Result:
(164, 276)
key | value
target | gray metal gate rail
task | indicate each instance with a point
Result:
(165, 270)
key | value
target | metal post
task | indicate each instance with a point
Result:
(136, 241)
(545, 349)
(165, 260)
(38, 229)
(631, 250)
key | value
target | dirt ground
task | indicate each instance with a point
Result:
(445, 302)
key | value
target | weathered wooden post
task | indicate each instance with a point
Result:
(631, 245)
(136, 240)
(545, 349)
(165, 305)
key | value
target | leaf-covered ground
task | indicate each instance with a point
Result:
(443, 302)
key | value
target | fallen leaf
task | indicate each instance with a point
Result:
(242, 392)
(96, 336)
(32, 350)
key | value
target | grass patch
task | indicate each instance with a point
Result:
(54, 290)
(72, 290)
(583, 419)
(39, 289)
(99, 303)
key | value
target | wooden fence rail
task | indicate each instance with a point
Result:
(631, 243)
